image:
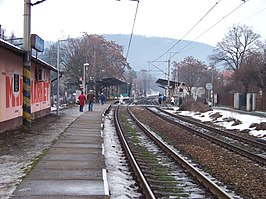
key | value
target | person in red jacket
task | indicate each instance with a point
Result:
(82, 98)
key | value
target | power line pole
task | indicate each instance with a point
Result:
(264, 56)
(58, 78)
(27, 66)
(168, 82)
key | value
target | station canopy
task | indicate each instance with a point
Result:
(109, 81)
(163, 83)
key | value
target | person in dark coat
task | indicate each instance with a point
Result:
(180, 101)
(90, 98)
(102, 98)
(160, 99)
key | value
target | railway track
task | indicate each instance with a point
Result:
(249, 148)
(160, 170)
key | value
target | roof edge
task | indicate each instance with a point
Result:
(20, 51)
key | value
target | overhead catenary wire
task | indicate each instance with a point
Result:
(201, 19)
(158, 67)
(252, 15)
(208, 29)
(132, 31)
(221, 19)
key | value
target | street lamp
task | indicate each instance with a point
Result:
(84, 77)
(128, 89)
(58, 81)
(210, 87)
(168, 80)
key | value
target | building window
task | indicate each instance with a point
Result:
(16, 82)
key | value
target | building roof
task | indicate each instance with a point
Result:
(109, 81)
(163, 83)
(10, 46)
(20, 51)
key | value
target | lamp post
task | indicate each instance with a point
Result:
(58, 78)
(84, 77)
(168, 80)
(210, 88)
(128, 89)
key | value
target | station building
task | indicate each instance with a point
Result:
(11, 86)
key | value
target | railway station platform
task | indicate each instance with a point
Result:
(74, 167)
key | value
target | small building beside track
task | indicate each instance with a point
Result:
(11, 86)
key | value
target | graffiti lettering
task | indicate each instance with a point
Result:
(39, 92)
(12, 100)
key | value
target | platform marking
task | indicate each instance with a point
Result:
(105, 182)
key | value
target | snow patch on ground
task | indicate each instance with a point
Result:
(246, 120)
(120, 182)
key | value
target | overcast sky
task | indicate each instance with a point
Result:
(57, 19)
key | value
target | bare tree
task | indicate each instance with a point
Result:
(257, 72)
(237, 44)
(2, 32)
(105, 59)
(191, 71)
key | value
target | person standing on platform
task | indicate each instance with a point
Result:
(90, 98)
(180, 101)
(102, 98)
(172, 101)
(81, 98)
(160, 99)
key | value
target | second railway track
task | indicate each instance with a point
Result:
(158, 165)
(244, 177)
(244, 146)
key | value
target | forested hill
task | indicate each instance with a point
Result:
(144, 49)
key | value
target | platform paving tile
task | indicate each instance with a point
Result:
(88, 136)
(60, 197)
(76, 150)
(92, 138)
(78, 145)
(60, 187)
(73, 131)
(88, 119)
(86, 127)
(73, 157)
(71, 164)
(79, 141)
(65, 174)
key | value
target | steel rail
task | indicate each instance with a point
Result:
(216, 190)
(231, 147)
(226, 133)
(137, 171)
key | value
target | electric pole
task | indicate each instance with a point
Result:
(27, 66)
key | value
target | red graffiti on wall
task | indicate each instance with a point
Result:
(39, 92)
(13, 99)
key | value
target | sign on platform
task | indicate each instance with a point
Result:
(37, 43)
(209, 86)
